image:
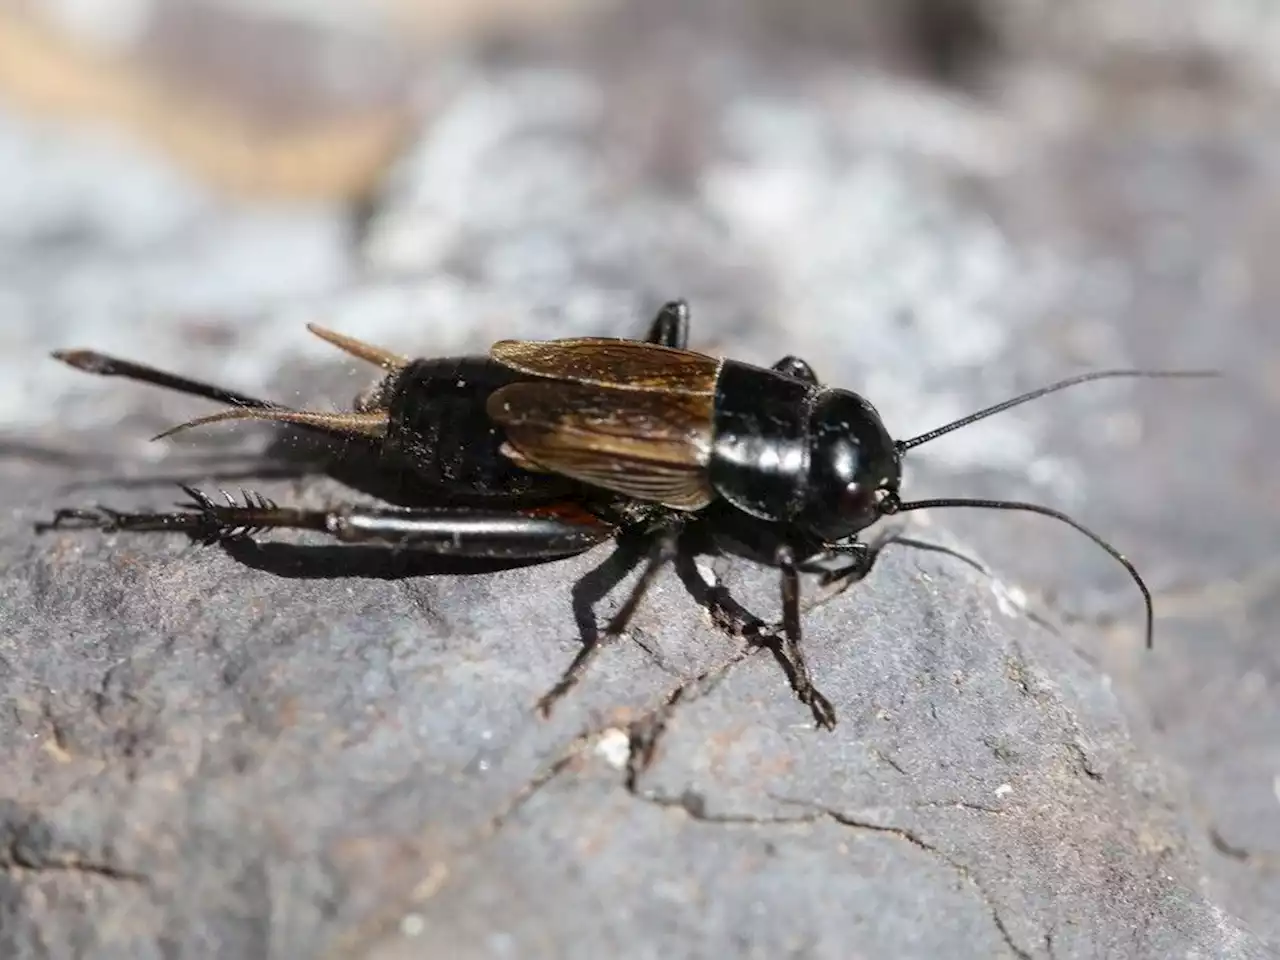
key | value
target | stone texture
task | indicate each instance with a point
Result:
(292, 749)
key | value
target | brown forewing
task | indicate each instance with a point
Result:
(603, 362)
(648, 445)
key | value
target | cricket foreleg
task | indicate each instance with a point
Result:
(823, 713)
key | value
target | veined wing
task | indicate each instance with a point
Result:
(604, 362)
(649, 445)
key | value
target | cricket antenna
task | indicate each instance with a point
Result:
(890, 505)
(905, 445)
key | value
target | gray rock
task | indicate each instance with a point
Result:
(254, 762)
(236, 752)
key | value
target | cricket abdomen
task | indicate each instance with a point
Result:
(439, 429)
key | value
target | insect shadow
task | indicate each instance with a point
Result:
(541, 450)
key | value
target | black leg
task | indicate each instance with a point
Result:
(861, 558)
(823, 712)
(671, 326)
(833, 581)
(795, 367)
(738, 622)
(448, 531)
(725, 612)
(665, 547)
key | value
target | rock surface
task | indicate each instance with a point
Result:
(291, 749)
(235, 756)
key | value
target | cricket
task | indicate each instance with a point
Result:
(540, 450)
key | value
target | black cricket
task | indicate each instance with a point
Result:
(542, 450)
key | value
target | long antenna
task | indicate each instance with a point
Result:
(905, 445)
(891, 505)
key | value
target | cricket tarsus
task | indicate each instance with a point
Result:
(202, 517)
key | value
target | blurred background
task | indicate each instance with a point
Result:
(938, 202)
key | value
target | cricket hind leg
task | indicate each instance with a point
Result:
(546, 533)
(664, 546)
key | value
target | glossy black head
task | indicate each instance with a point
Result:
(853, 465)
